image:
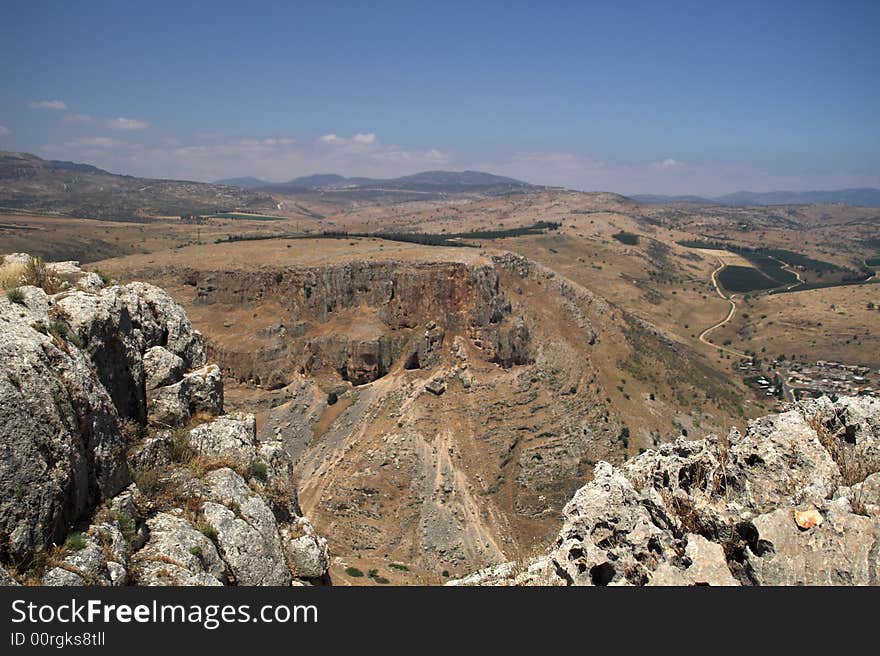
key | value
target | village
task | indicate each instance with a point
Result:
(790, 380)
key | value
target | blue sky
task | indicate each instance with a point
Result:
(653, 97)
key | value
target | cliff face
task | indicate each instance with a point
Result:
(793, 501)
(360, 318)
(115, 447)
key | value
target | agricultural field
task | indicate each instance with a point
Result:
(745, 279)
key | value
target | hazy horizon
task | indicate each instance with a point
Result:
(636, 99)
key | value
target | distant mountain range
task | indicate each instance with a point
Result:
(433, 181)
(863, 197)
(28, 182)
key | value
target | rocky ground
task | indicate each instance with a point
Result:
(793, 501)
(118, 465)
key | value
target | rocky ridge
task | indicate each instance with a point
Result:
(118, 465)
(360, 318)
(793, 501)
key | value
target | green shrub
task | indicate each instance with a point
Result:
(62, 332)
(75, 541)
(399, 567)
(208, 531)
(354, 572)
(259, 470)
(15, 295)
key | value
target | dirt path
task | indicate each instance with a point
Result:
(730, 314)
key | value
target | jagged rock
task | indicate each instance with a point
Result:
(707, 566)
(71, 272)
(235, 437)
(721, 513)
(118, 325)
(6, 579)
(63, 449)
(153, 452)
(162, 367)
(842, 551)
(200, 391)
(247, 533)
(177, 554)
(71, 366)
(436, 386)
(308, 555)
(86, 566)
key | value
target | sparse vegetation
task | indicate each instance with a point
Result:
(75, 542)
(15, 295)
(208, 531)
(354, 572)
(628, 238)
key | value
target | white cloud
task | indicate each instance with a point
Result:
(361, 139)
(3, 131)
(331, 139)
(667, 164)
(126, 124)
(271, 158)
(48, 104)
(78, 118)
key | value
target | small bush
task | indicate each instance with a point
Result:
(259, 470)
(210, 532)
(126, 526)
(196, 551)
(354, 572)
(62, 333)
(15, 295)
(399, 567)
(35, 273)
(75, 542)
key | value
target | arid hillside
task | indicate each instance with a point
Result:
(441, 404)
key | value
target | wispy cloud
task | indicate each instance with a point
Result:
(78, 118)
(667, 164)
(279, 157)
(359, 139)
(3, 131)
(48, 104)
(100, 142)
(126, 124)
(331, 139)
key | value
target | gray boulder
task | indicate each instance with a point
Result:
(162, 367)
(247, 533)
(200, 391)
(177, 554)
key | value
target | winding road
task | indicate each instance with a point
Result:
(704, 335)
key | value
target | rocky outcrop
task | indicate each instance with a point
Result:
(360, 319)
(793, 501)
(97, 387)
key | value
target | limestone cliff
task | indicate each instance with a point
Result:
(117, 465)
